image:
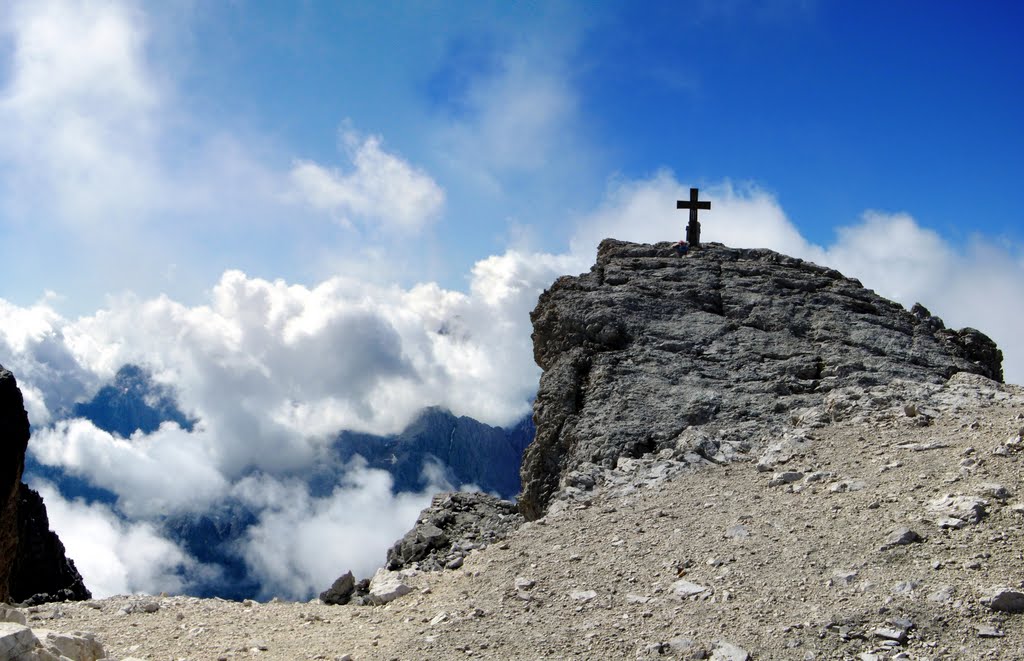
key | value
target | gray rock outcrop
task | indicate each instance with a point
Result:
(453, 525)
(648, 346)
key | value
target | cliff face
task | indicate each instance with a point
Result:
(14, 432)
(42, 570)
(33, 566)
(648, 348)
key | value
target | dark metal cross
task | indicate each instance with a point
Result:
(693, 228)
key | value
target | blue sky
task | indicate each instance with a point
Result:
(314, 216)
(833, 108)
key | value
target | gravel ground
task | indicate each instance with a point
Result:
(716, 562)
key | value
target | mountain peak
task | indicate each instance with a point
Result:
(650, 344)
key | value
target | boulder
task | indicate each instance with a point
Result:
(386, 586)
(452, 526)
(340, 591)
(1005, 599)
(16, 640)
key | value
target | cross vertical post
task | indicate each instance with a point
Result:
(693, 228)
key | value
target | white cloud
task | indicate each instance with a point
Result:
(382, 187)
(645, 211)
(520, 118)
(301, 543)
(79, 111)
(160, 473)
(273, 371)
(116, 556)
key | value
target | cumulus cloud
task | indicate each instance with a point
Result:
(115, 556)
(381, 187)
(153, 474)
(645, 211)
(272, 371)
(301, 543)
(517, 119)
(79, 110)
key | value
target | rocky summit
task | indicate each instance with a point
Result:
(648, 347)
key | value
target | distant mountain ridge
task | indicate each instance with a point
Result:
(132, 402)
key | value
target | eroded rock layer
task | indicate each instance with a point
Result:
(648, 346)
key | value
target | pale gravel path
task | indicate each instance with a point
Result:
(770, 591)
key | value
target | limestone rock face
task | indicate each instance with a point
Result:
(33, 565)
(649, 345)
(14, 433)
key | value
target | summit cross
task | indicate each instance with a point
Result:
(693, 228)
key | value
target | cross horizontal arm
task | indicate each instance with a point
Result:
(686, 204)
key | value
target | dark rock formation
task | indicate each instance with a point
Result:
(42, 572)
(33, 566)
(453, 525)
(340, 591)
(14, 433)
(647, 345)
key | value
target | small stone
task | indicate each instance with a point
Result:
(905, 587)
(725, 651)
(900, 537)
(636, 599)
(1004, 599)
(786, 477)
(439, 618)
(904, 623)
(970, 509)
(455, 563)
(995, 490)
(891, 633)
(737, 532)
(842, 577)
(845, 486)
(684, 589)
(583, 595)
(943, 594)
(525, 583)
(989, 631)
